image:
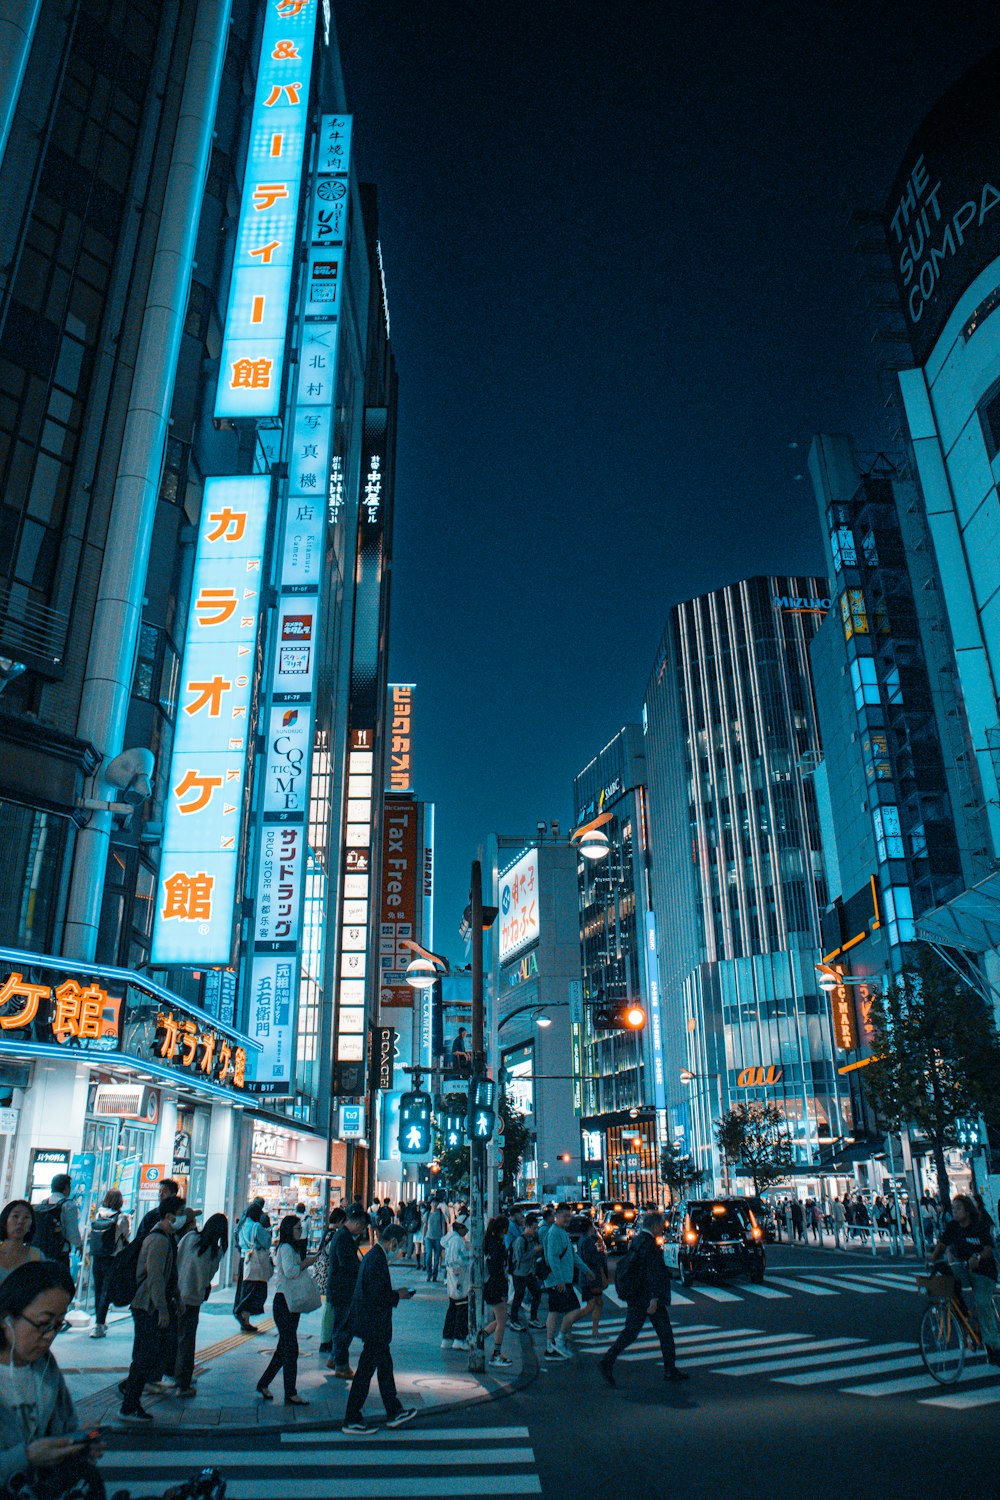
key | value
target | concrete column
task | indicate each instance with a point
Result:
(111, 659)
(18, 19)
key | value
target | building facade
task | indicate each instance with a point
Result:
(620, 1089)
(197, 429)
(737, 872)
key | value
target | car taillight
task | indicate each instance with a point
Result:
(757, 1233)
(690, 1237)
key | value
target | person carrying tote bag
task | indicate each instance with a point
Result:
(295, 1292)
(255, 1243)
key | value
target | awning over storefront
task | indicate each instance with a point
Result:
(970, 921)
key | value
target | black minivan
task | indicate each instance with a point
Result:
(714, 1237)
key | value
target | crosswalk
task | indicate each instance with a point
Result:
(795, 1284)
(412, 1460)
(808, 1362)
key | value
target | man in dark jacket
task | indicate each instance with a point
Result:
(371, 1320)
(344, 1265)
(647, 1296)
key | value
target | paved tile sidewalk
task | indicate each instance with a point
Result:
(229, 1364)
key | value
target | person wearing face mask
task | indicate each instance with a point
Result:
(153, 1307)
(37, 1420)
(17, 1224)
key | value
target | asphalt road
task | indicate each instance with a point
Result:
(808, 1387)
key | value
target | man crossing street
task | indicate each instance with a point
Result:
(644, 1283)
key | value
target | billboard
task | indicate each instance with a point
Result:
(519, 1073)
(942, 217)
(196, 888)
(400, 743)
(398, 922)
(253, 344)
(519, 906)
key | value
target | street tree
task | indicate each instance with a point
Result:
(516, 1136)
(755, 1136)
(677, 1170)
(937, 1056)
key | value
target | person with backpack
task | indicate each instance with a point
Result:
(434, 1230)
(593, 1257)
(409, 1218)
(168, 1189)
(523, 1258)
(642, 1282)
(199, 1255)
(153, 1307)
(17, 1223)
(108, 1237)
(495, 1288)
(57, 1222)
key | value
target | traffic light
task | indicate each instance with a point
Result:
(482, 1115)
(621, 1015)
(414, 1124)
(453, 1131)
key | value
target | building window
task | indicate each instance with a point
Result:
(888, 836)
(989, 418)
(982, 312)
(864, 681)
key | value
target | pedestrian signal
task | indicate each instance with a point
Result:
(482, 1123)
(453, 1131)
(414, 1124)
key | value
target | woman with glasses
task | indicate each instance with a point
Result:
(37, 1420)
(17, 1225)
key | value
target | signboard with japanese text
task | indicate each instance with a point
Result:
(398, 922)
(201, 854)
(401, 742)
(845, 1022)
(279, 887)
(518, 918)
(253, 347)
(289, 745)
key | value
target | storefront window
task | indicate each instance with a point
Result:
(32, 845)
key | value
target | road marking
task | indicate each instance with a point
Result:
(964, 1399)
(418, 1435)
(762, 1365)
(803, 1286)
(340, 1459)
(856, 1372)
(720, 1345)
(717, 1294)
(892, 1387)
(764, 1291)
(366, 1487)
(786, 1343)
(851, 1285)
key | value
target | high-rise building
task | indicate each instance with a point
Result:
(620, 1090)
(737, 871)
(197, 425)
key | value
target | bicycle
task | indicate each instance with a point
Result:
(948, 1328)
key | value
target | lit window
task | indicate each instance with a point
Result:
(864, 681)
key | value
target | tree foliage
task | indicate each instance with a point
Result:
(677, 1170)
(454, 1162)
(755, 1135)
(938, 1056)
(516, 1136)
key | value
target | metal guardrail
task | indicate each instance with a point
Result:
(32, 630)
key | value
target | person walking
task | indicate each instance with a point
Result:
(199, 1255)
(409, 1218)
(434, 1230)
(294, 1294)
(344, 1264)
(563, 1301)
(839, 1216)
(798, 1221)
(39, 1430)
(457, 1266)
(371, 1318)
(644, 1283)
(594, 1258)
(495, 1288)
(152, 1307)
(333, 1223)
(524, 1257)
(57, 1222)
(108, 1237)
(254, 1241)
(17, 1223)
(815, 1220)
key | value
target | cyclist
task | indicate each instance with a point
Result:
(968, 1239)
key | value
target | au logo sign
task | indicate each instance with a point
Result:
(755, 1078)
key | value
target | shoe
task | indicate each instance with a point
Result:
(98, 1331)
(535, 1323)
(138, 1415)
(517, 1327)
(447, 1343)
(249, 1328)
(606, 1372)
(185, 1392)
(343, 1372)
(326, 1348)
(264, 1393)
(405, 1415)
(500, 1359)
(159, 1386)
(563, 1346)
(295, 1401)
(459, 1344)
(675, 1376)
(554, 1352)
(359, 1427)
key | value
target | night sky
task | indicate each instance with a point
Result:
(621, 291)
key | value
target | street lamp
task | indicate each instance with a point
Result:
(427, 967)
(543, 1021)
(590, 839)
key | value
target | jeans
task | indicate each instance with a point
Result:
(433, 1258)
(147, 1343)
(982, 1292)
(102, 1266)
(342, 1334)
(376, 1359)
(187, 1333)
(635, 1316)
(286, 1356)
(521, 1285)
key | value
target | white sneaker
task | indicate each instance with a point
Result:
(563, 1346)
(98, 1331)
(459, 1344)
(447, 1344)
(554, 1352)
(500, 1359)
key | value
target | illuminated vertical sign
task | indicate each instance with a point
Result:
(201, 856)
(399, 917)
(655, 1019)
(401, 741)
(363, 723)
(253, 345)
(284, 766)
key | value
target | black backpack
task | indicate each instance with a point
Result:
(124, 1274)
(627, 1276)
(48, 1234)
(103, 1234)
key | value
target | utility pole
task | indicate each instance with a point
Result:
(477, 1147)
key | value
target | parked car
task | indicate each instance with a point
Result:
(715, 1237)
(618, 1227)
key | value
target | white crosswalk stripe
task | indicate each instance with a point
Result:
(440, 1461)
(810, 1288)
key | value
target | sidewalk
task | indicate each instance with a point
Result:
(229, 1364)
(857, 1244)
